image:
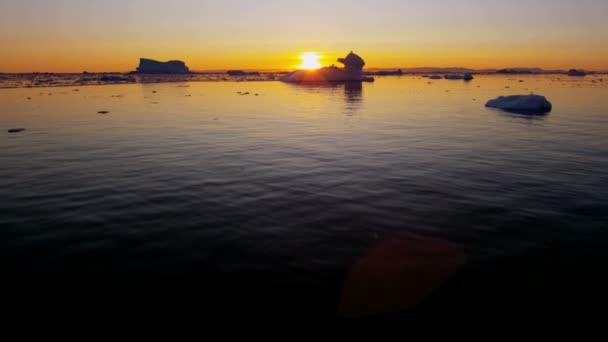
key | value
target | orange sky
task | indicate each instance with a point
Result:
(74, 36)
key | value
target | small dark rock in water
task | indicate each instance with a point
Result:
(75, 89)
(153, 91)
(521, 81)
(257, 94)
(103, 112)
(507, 87)
(523, 104)
(16, 130)
(29, 98)
(188, 95)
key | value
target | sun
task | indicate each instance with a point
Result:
(310, 61)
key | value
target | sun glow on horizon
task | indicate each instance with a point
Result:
(310, 61)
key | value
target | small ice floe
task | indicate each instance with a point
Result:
(522, 104)
(116, 78)
(16, 130)
(466, 77)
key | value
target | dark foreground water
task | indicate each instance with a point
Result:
(402, 196)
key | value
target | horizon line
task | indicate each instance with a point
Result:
(289, 70)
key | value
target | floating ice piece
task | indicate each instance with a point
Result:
(574, 72)
(523, 104)
(467, 77)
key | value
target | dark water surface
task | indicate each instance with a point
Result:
(199, 194)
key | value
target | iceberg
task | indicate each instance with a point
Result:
(466, 77)
(574, 72)
(352, 71)
(149, 66)
(522, 104)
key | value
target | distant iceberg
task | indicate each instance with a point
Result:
(352, 71)
(242, 73)
(150, 66)
(574, 72)
(466, 77)
(398, 72)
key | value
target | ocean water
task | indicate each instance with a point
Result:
(298, 194)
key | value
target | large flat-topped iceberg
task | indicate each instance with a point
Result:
(523, 104)
(150, 66)
(352, 71)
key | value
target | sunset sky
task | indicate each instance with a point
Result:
(111, 35)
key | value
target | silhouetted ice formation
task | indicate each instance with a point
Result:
(523, 104)
(117, 78)
(467, 77)
(574, 72)
(149, 66)
(242, 73)
(398, 72)
(352, 71)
